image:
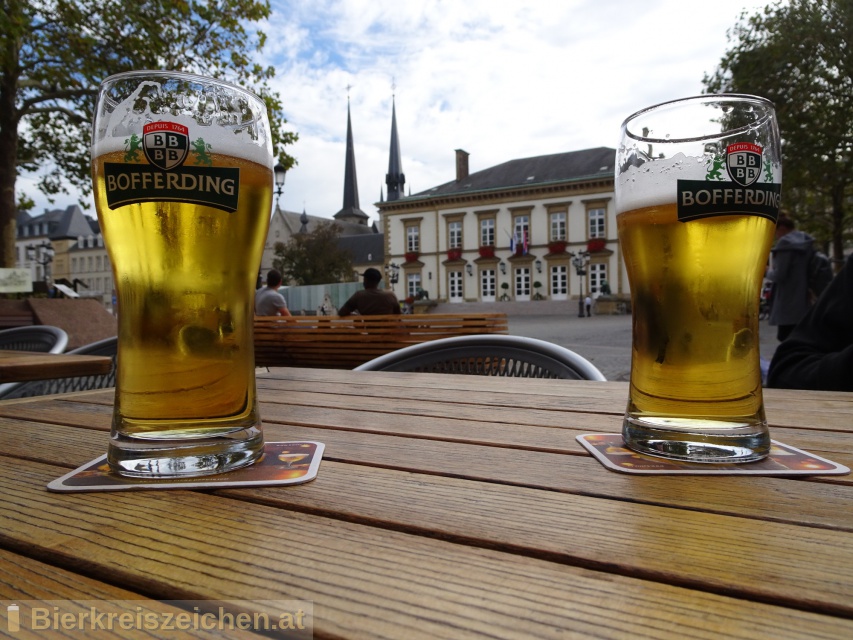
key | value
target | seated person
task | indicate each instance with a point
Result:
(371, 301)
(818, 354)
(268, 301)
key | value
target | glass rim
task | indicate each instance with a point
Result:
(705, 97)
(183, 75)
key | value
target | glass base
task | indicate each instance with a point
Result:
(149, 457)
(697, 440)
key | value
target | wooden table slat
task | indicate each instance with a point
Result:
(447, 507)
(20, 366)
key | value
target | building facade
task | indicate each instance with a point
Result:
(64, 246)
(528, 229)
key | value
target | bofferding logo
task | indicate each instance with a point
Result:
(744, 194)
(165, 144)
(743, 162)
(167, 177)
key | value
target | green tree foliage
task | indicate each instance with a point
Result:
(314, 258)
(798, 54)
(54, 54)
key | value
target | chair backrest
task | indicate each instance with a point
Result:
(489, 355)
(106, 347)
(40, 337)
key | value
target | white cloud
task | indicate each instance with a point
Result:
(501, 80)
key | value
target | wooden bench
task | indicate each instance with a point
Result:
(344, 343)
(16, 313)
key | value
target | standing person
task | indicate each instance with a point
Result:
(587, 302)
(268, 301)
(371, 301)
(790, 276)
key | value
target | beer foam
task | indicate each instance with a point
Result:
(644, 181)
(230, 119)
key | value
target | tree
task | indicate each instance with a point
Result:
(54, 54)
(315, 257)
(798, 55)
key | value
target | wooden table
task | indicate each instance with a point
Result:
(447, 507)
(19, 366)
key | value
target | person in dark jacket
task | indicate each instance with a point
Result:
(818, 354)
(790, 276)
(371, 300)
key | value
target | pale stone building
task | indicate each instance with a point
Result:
(498, 233)
(65, 247)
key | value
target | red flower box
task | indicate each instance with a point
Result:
(596, 244)
(411, 256)
(487, 251)
(557, 246)
(454, 254)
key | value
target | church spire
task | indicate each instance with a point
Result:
(350, 211)
(395, 179)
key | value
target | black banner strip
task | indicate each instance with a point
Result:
(211, 186)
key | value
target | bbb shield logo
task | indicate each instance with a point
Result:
(743, 162)
(165, 144)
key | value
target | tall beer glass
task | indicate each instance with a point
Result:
(698, 188)
(182, 171)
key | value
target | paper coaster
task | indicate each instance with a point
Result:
(280, 463)
(784, 460)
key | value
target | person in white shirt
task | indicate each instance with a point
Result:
(268, 301)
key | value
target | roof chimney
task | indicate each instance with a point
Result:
(461, 164)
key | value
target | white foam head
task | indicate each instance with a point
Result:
(654, 181)
(232, 120)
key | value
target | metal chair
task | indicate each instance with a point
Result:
(106, 347)
(40, 337)
(489, 355)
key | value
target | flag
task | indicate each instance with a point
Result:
(513, 243)
(524, 248)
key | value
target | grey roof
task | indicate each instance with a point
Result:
(62, 223)
(559, 167)
(293, 221)
(365, 249)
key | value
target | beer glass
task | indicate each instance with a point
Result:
(182, 173)
(698, 188)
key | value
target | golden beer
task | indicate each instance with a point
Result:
(698, 191)
(184, 219)
(695, 314)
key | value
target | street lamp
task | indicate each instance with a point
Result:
(393, 272)
(579, 261)
(280, 174)
(503, 267)
(41, 254)
(470, 269)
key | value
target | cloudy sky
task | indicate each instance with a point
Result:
(501, 80)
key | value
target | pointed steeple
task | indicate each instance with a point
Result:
(350, 211)
(303, 219)
(395, 179)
